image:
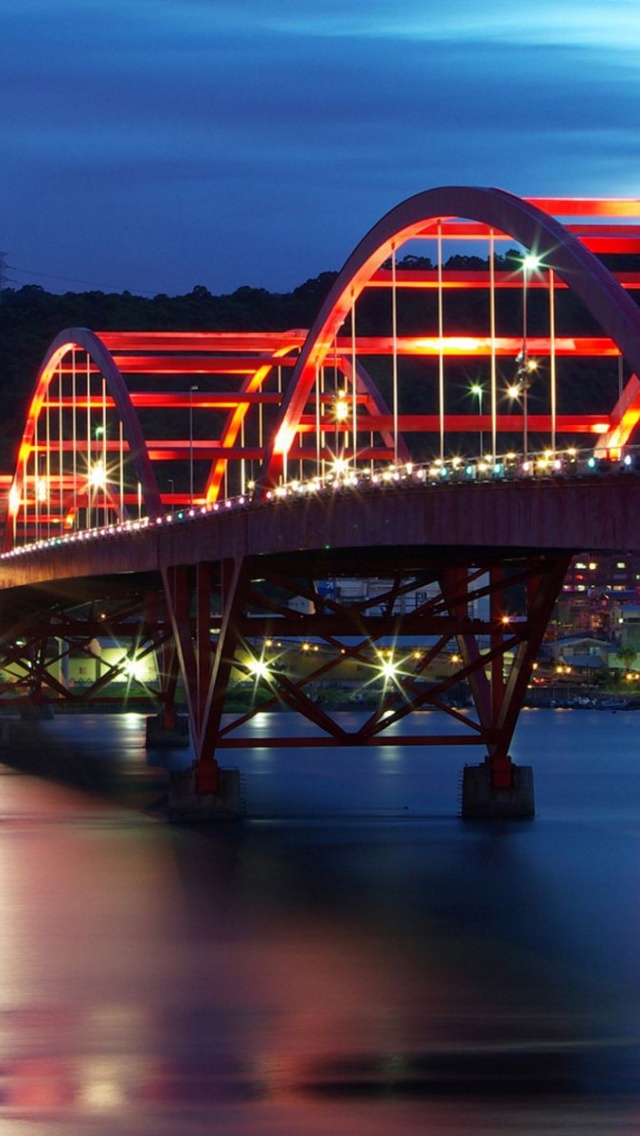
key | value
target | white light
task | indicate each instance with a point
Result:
(97, 476)
(388, 669)
(259, 668)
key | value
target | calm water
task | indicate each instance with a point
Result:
(352, 958)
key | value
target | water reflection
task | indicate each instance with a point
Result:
(355, 970)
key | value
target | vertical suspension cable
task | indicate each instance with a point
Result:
(121, 469)
(318, 418)
(440, 343)
(243, 470)
(88, 425)
(74, 437)
(25, 497)
(394, 335)
(552, 359)
(47, 462)
(60, 453)
(105, 490)
(492, 335)
(354, 400)
(36, 477)
(285, 455)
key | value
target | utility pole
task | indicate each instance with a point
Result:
(3, 275)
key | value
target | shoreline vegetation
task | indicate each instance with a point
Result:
(241, 700)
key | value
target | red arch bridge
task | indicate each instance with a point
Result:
(385, 503)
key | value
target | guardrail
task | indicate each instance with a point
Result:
(344, 478)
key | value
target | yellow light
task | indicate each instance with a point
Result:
(14, 499)
(341, 407)
(134, 668)
(259, 668)
(513, 391)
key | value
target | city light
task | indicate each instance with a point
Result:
(388, 669)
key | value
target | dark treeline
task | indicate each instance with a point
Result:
(31, 317)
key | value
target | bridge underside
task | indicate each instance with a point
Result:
(353, 643)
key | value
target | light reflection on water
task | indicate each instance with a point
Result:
(351, 957)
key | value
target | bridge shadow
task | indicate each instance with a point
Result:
(125, 776)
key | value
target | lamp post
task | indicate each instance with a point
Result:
(171, 484)
(191, 390)
(478, 390)
(520, 390)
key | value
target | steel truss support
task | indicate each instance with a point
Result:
(499, 689)
(203, 604)
(46, 628)
(452, 631)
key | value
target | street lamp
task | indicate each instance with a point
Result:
(191, 390)
(478, 390)
(520, 389)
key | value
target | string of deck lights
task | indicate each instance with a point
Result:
(571, 462)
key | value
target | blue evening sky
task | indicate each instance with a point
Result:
(159, 144)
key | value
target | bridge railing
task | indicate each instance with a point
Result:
(540, 466)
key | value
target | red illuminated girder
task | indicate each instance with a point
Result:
(505, 423)
(423, 278)
(614, 235)
(202, 450)
(479, 345)
(269, 341)
(588, 206)
(209, 400)
(197, 364)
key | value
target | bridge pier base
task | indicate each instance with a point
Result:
(187, 804)
(161, 734)
(483, 799)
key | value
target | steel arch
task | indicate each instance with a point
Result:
(88, 341)
(503, 213)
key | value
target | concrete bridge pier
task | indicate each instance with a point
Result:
(167, 731)
(497, 789)
(205, 792)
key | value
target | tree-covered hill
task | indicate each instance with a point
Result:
(31, 317)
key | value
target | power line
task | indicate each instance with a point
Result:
(70, 279)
